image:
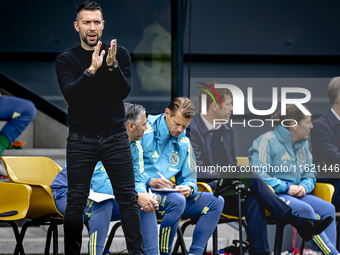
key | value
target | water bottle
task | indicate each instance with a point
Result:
(221, 252)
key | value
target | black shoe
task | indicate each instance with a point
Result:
(307, 228)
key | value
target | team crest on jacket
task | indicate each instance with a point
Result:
(301, 155)
(185, 140)
(174, 159)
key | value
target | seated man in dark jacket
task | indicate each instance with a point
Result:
(215, 146)
(326, 141)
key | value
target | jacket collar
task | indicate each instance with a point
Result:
(161, 128)
(332, 119)
(202, 127)
(284, 137)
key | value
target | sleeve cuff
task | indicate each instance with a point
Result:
(148, 182)
(88, 74)
(287, 188)
(140, 189)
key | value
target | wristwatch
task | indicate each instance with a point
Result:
(113, 65)
(192, 190)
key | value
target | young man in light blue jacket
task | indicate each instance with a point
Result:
(165, 152)
(283, 161)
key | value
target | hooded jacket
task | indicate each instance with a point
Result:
(279, 163)
(168, 155)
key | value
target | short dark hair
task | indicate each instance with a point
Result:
(89, 6)
(292, 112)
(222, 92)
(133, 113)
(185, 105)
(334, 90)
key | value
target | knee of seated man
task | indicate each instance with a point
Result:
(177, 200)
(30, 110)
(305, 210)
(180, 200)
(214, 203)
(218, 203)
(328, 209)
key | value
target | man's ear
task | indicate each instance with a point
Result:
(76, 27)
(130, 126)
(167, 112)
(213, 105)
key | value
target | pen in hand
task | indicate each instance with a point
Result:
(150, 193)
(162, 177)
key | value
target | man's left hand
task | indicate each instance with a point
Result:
(111, 54)
(184, 189)
(147, 203)
(301, 192)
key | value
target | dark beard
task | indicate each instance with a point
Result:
(84, 38)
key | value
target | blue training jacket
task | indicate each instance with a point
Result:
(279, 163)
(100, 181)
(138, 166)
(171, 156)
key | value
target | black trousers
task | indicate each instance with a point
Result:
(261, 198)
(83, 153)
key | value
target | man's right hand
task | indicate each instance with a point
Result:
(97, 59)
(146, 203)
(160, 183)
(293, 189)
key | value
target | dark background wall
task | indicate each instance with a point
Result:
(304, 27)
(266, 27)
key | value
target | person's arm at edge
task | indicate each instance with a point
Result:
(323, 144)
